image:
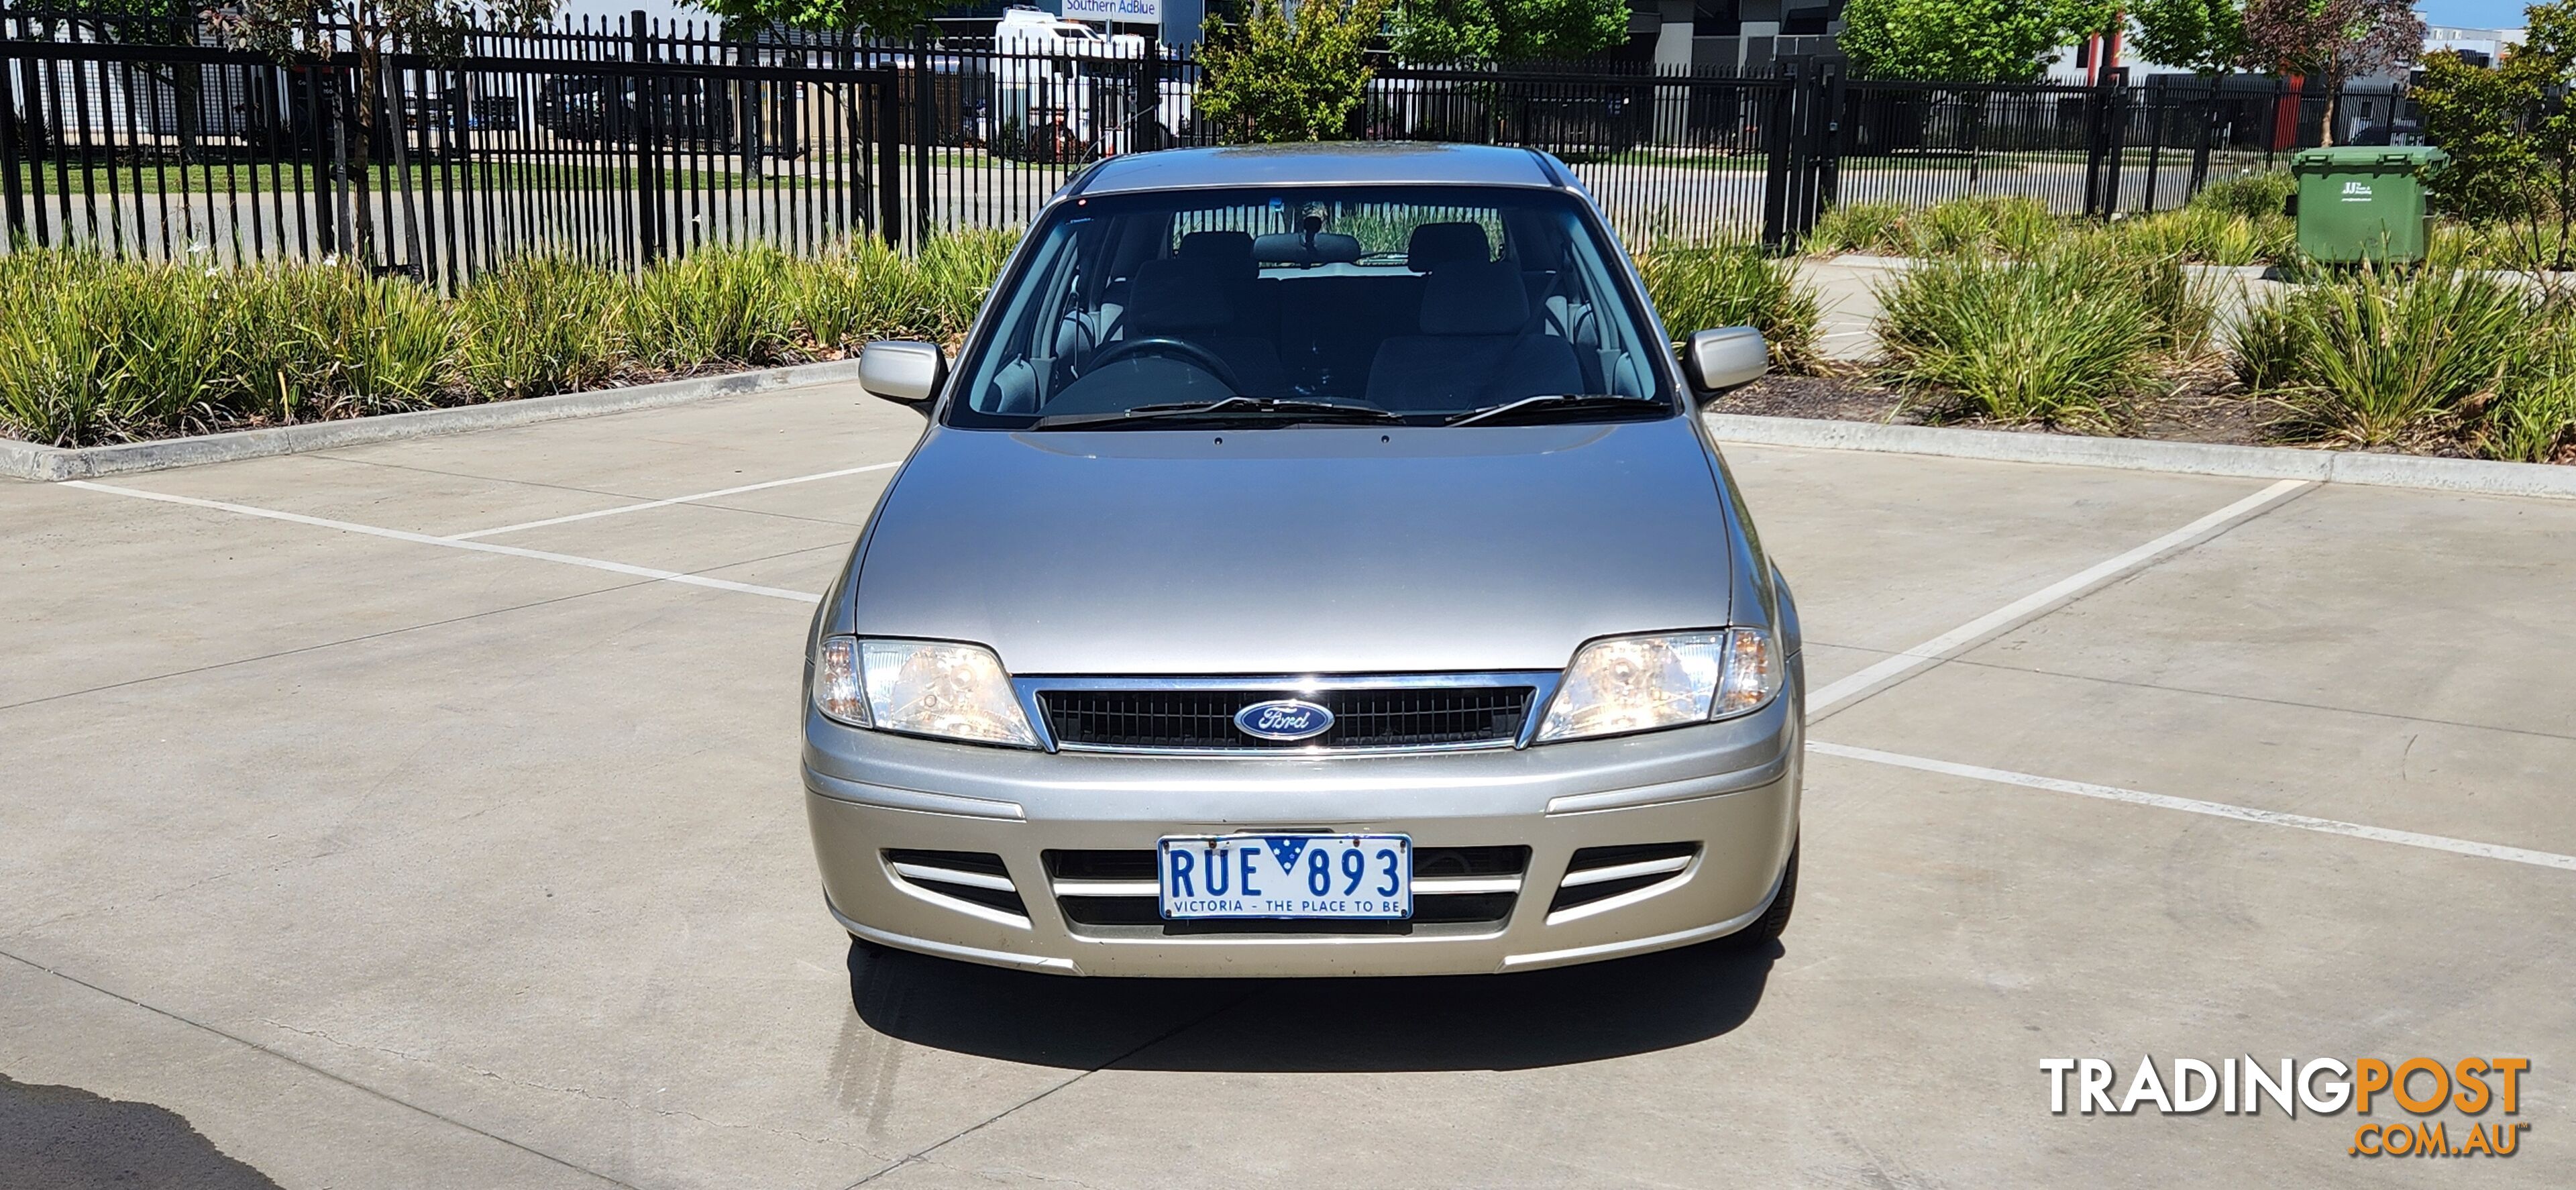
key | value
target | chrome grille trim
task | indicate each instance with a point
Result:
(1648, 867)
(976, 883)
(953, 876)
(1111, 894)
(1542, 684)
(1423, 886)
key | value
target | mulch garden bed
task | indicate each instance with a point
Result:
(2200, 410)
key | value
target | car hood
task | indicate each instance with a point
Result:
(1291, 551)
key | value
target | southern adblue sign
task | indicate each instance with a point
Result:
(1138, 12)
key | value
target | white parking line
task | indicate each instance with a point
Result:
(650, 504)
(668, 576)
(2330, 826)
(1899, 665)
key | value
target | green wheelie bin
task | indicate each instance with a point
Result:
(2364, 203)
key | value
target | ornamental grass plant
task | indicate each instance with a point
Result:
(2373, 358)
(1698, 286)
(95, 350)
(2056, 340)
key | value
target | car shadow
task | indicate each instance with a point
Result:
(65, 1138)
(1467, 1022)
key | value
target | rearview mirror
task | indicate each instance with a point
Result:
(1724, 358)
(902, 371)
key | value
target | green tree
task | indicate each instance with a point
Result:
(2203, 36)
(2480, 116)
(1273, 78)
(2511, 135)
(1444, 32)
(1964, 40)
(2333, 41)
(168, 22)
(145, 22)
(884, 18)
(370, 31)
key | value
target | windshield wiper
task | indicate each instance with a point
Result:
(1260, 408)
(1563, 403)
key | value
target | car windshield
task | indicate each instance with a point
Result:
(1419, 305)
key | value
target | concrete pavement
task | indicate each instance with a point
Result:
(371, 860)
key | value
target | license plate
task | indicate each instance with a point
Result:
(1290, 876)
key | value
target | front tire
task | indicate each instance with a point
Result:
(1774, 921)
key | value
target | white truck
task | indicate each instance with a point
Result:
(1064, 90)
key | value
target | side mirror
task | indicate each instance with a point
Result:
(902, 371)
(1724, 358)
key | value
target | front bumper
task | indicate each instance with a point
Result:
(1732, 788)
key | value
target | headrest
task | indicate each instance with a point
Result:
(1231, 248)
(1485, 298)
(1180, 294)
(1444, 243)
(1288, 247)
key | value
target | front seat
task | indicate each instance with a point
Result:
(1478, 346)
(1253, 301)
(1433, 245)
(1191, 300)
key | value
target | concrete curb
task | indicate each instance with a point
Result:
(1898, 264)
(2186, 458)
(22, 460)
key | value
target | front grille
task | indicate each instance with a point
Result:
(1196, 720)
(1139, 914)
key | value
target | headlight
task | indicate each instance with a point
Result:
(924, 687)
(1639, 683)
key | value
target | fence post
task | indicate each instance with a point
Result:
(648, 127)
(2096, 151)
(1827, 147)
(2209, 110)
(345, 229)
(925, 98)
(1148, 134)
(1776, 148)
(12, 152)
(35, 145)
(889, 179)
(923, 122)
(2159, 112)
(2116, 149)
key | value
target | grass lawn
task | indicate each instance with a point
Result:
(1938, 161)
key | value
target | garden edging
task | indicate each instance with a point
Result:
(1898, 264)
(25, 460)
(2187, 458)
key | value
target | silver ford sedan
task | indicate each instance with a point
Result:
(1314, 566)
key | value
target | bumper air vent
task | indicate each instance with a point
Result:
(975, 877)
(1600, 873)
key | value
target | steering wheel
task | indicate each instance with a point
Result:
(1075, 364)
(1166, 345)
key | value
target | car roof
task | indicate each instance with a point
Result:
(1322, 163)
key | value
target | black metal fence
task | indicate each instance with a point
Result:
(622, 145)
(633, 141)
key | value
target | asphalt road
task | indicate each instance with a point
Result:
(1645, 200)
